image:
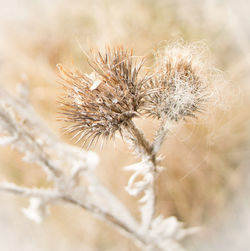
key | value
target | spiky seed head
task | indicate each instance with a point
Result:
(101, 103)
(178, 88)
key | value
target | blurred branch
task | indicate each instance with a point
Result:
(31, 137)
(25, 142)
(29, 192)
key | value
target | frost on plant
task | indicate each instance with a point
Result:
(180, 83)
(98, 105)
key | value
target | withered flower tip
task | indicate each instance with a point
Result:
(99, 104)
(179, 85)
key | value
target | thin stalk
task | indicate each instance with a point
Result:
(145, 151)
(160, 135)
(138, 141)
(148, 152)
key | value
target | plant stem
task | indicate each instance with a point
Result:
(160, 136)
(145, 151)
(131, 232)
(138, 140)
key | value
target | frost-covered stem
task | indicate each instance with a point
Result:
(148, 155)
(131, 232)
(148, 209)
(160, 135)
(51, 194)
(138, 141)
(47, 194)
(151, 194)
(20, 133)
(106, 195)
(145, 151)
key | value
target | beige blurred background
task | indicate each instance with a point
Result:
(206, 178)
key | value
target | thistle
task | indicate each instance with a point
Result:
(99, 105)
(102, 103)
(106, 101)
(179, 85)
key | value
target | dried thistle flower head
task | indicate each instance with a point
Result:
(178, 88)
(103, 102)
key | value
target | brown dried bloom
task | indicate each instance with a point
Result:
(103, 102)
(178, 88)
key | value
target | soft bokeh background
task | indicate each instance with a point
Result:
(206, 178)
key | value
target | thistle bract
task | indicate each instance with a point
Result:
(101, 103)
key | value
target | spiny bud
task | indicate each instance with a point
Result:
(178, 88)
(103, 102)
